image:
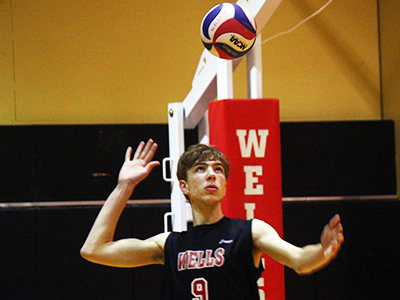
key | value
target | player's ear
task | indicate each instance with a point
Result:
(183, 187)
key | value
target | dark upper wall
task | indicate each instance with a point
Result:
(81, 162)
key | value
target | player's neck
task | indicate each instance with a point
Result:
(210, 216)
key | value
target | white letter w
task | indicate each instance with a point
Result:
(252, 142)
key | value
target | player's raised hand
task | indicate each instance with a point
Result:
(332, 237)
(139, 167)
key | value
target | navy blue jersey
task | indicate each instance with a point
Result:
(211, 262)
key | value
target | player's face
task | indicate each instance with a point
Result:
(205, 182)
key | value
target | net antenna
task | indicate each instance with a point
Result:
(213, 80)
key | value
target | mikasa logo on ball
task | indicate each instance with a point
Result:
(237, 42)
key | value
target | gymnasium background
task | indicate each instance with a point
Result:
(80, 80)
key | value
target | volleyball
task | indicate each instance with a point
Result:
(228, 31)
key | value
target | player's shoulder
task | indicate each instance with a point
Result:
(160, 239)
(261, 226)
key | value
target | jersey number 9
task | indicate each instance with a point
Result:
(200, 289)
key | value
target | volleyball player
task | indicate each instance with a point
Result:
(218, 258)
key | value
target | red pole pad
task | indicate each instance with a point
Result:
(247, 131)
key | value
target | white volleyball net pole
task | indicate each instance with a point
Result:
(213, 80)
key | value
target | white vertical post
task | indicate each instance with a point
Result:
(224, 79)
(254, 70)
(204, 130)
(176, 148)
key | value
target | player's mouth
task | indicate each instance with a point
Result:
(211, 188)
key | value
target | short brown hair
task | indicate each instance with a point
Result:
(198, 153)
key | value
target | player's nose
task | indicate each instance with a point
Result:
(210, 172)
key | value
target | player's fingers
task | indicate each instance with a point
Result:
(334, 221)
(150, 166)
(339, 228)
(150, 153)
(340, 238)
(128, 153)
(139, 150)
(337, 245)
(146, 149)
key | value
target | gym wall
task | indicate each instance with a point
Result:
(118, 62)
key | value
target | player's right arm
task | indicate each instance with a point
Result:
(100, 246)
(127, 253)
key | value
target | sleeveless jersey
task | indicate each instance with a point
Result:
(211, 262)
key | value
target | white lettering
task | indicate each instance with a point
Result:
(250, 189)
(249, 207)
(252, 142)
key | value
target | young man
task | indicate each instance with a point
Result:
(219, 258)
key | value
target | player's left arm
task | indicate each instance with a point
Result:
(304, 260)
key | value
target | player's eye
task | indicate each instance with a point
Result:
(199, 169)
(219, 169)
